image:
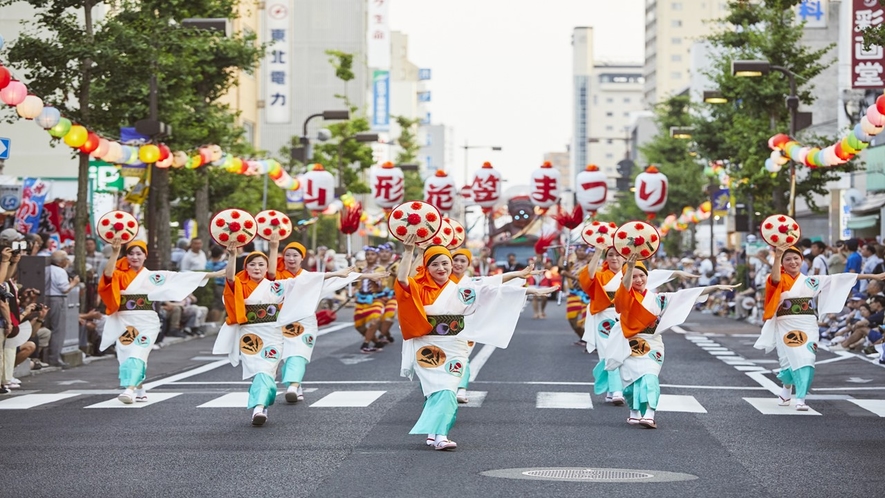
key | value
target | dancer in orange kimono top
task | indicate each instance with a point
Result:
(645, 315)
(432, 315)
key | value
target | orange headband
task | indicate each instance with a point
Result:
(433, 251)
(252, 255)
(298, 247)
(137, 243)
(463, 252)
(639, 266)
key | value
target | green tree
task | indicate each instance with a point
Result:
(107, 66)
(875, 35)
(408, 154)
(738, 133)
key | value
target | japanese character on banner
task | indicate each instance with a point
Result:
(319, 188)
(651, 191)
(439, 191)
(388, 185)
(486, 186)
(545, 186)
(591, 192)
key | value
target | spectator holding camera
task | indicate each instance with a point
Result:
(57, 288)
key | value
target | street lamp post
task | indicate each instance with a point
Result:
(754, 68)
(303, 153)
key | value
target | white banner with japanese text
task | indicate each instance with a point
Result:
(278, 63)
(378, 33)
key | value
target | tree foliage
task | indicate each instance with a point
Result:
(875, 35)
(738, 132)
(408, 154)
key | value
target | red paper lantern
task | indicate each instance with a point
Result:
(165, 152)
(91, 143)
(5, 77)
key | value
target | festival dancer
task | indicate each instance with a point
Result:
(432, 309)
(644, 315)
(303, 292)
(577, 300)
(369, 304)
(387, 259)
(128, 291)
(791, 318)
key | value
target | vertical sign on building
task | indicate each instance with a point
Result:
(582, 84)
(867, 65)
(813, 13)
(278, 64)
(381, 100)
(379, 35)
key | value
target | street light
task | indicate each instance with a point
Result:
(681, 132)
(302, 153)
(714, 97)
(468, 147)
(759, 68)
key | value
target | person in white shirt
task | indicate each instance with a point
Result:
(819, 265)
(870, 261)
(57, 288)
(194, 259)
(706, 270)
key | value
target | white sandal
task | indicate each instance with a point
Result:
(445, 444)
(783, 401)
(801, 407)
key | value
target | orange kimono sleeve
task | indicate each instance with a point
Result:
(599, 299)
(634, 317)
(235, 294)
(410, 312)
(109, 289)
(773, 294)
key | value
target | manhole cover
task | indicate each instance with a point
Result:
(581, 474)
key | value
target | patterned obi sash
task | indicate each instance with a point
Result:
(651, 328)
(797, 306)
(262, 313)
(446, 324)
(135, 302)
(611, 297)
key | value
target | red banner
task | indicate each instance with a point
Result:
(867, 65)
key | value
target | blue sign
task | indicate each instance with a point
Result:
(720, 200)
(423, 74)
(10, 197)
(381, 100)
(423, 96)
(426, 120)
(4, 147)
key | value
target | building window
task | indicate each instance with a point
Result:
(626, 114)
(595, 99)
(626, 100)
(675, 58)
(609, 114)
(676, 6)
(609, 128)
(675, 23)
(609, 100)
(675, 75)
(609, 141)
(249, 132)
(676, 40)
(609, 155)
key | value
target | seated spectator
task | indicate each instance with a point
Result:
(12, 357)
(91, 327)
(873, 315)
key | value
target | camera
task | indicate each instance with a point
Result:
(19, 246)
(5, 294)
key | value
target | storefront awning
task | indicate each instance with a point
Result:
(858, 222)
(871, 203)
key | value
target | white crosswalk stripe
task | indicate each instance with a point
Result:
(355, 399)
(31, 400)
(876, 406)
(769, 406)
(475, 399)
(564, 400)
(679, 403)
(153, 398)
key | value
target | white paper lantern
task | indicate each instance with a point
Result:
(30, 108)
(440, 191)
(114, 153)
(318, 188)
(486, 186)
(778, 158)
(48, 117)
(868, 127)
(388, 185)
(102, 149)
(545, 186)
(651, 190)
(591, 189)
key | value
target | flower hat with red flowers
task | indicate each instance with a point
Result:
(599, 234)
(117, 224)
(779, 230)
(637, 237)
(414, 217)
(233, 227)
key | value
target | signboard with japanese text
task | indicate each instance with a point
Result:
(378, 33)
(813, 13)
(27, 218)
(278, 64)
(381, 100)
(720, 202)
(867, 65)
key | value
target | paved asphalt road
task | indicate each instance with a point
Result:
(709, 427)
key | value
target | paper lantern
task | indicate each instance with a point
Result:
(91, 143)
(439, 191)
(14, 93)
(215, 152)
(30, 108)
(179, 159)
(149, 153)
(205, 155)
(778, 141)
(778, 158)
(388, 185)
(127, 154)
(591, 189)
(318, 188)
(868, 127)
(102, 148)
(651, 191)
(61, 128)
(76, 136)
(874, 116)
(486, 186)
(545, 186)
(5, 77)
(165, 152)
(49, 117)
(114, 153)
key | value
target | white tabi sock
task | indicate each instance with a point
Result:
(649, 413)
(786, 392)
(800, 401)
(634, 414)
(440, 438)
(618, 394)
(258, 409)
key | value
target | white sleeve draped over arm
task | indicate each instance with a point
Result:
(497, 310)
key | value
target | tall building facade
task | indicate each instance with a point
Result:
(582, 69)
(297, 78)
(438, 149)
(615, 95)
(671, 26)
(244, 97)
(561, 161)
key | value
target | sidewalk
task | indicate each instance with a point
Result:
(701, 322)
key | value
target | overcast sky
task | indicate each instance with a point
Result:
(502, 69)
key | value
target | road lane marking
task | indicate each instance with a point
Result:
(188, 373)
(153, 398)
(334, 328)
(476, 398)
(679, 403)
(480, 359)
(581, 401)
(32, 400)
(876, 406)
(353, 399)
(769, 406)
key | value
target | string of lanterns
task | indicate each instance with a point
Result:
(14, 93)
